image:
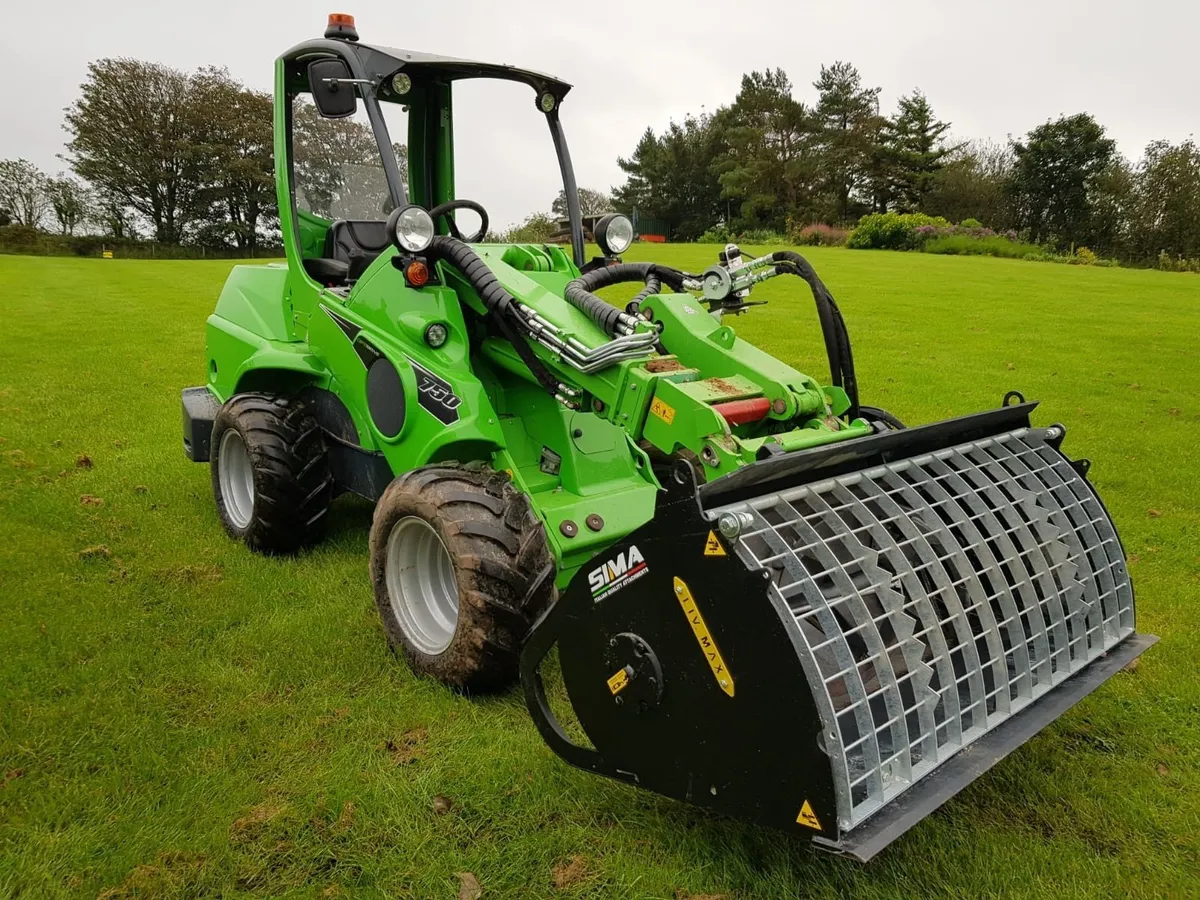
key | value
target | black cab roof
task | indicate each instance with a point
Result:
(379, 62)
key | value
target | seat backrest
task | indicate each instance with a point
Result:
(356, 242)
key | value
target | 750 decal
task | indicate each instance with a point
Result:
(436, 396)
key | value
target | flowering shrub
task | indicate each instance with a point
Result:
(818, 234)
(1169, 263)
(895, 231)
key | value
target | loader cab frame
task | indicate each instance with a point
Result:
(427, 84)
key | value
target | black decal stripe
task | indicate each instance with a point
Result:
(367, 352)
(349, 328)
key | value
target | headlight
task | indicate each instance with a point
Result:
(411, 228)
(614, 234)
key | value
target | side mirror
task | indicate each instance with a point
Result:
(332, 88)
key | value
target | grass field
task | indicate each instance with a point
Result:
(180, 718)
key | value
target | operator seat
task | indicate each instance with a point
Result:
(357, 243)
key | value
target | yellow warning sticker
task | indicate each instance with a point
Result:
(664, 412)
(712, 547)
(619, 681)
(700, 630)
(808, 817)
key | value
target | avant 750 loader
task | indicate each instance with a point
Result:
(768, 599)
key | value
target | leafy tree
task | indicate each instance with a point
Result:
(591, 203)
(400, 151)
(110, 214)
(136, 134)
(1113, 202)
(973, 184)
(23, 192)
(70, 201)
(913, 151)
(848, 116)
(1054, 179)
(536, 229)
(770, 163)
(338, 172)
(238, 141)
(1166, 210)
(673, 178)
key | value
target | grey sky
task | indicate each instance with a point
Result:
(992, 69)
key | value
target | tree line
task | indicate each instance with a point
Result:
(768, 161)
(184, 157)
(180, 158)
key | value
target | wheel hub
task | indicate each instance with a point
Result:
(421, 585)
(237, 479)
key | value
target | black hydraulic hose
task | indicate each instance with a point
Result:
(580, 292)
(833, 326)
(877, 414)
(653, 286)
(498, 302)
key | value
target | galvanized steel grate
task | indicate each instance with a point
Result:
(936, 596)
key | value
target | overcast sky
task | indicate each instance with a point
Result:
(990, 68)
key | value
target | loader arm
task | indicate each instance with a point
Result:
(710, 393)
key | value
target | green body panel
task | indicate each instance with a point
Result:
(252, 331)
(586, 470)
(597, 474)
(251, 298)
(312, 230)
(393, 318)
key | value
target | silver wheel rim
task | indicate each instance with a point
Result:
(236, 475)
(421, 586)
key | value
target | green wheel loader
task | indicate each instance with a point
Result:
(768, 598)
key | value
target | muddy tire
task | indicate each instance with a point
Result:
(270, 473)
(461, 568)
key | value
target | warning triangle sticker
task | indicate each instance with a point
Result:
(808, 817)
(712, 547)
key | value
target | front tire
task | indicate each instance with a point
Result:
(270, 473)
(460, 568)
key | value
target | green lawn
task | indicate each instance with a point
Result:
(181, 718)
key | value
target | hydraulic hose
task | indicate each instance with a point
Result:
(881, 416)
(580, 292)
(498, 302)
(833, 326)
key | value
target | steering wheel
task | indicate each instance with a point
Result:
(451, 205)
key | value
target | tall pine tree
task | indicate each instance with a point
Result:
(769, 167)
(913, 151)
(848, 114)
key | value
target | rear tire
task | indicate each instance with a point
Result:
(270, 472)
(461, 568)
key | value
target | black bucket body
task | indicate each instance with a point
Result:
(835, 642)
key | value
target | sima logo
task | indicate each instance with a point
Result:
(616, 573)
